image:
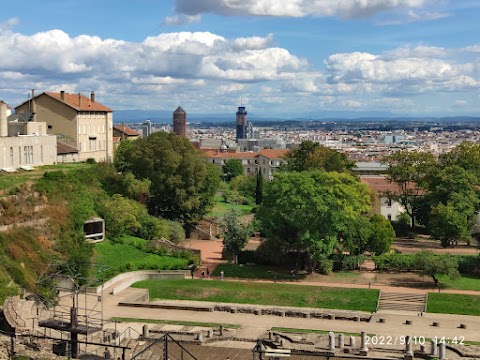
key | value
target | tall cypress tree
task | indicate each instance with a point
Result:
(259, 189)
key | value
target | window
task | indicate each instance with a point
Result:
(389, 216)
(389, 202)
(50, 127)
(11, 156)
(248, 170)
(41, 153)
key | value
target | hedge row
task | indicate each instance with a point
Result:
(467, 264)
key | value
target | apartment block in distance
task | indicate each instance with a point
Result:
(79, 122)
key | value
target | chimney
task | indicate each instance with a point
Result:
(79, 100)
(3, 120)
(62, 95)
(33, 93)
(92, 96)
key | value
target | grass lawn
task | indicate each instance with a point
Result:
(255, 272)
(127, 257)
(464, 282)
(221, 208)
(174, 322)
(10, 180)
(453, 304)
(262, 294)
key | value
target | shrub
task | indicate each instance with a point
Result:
(469, 264)
(176, 232)
(395, 262)
(325, 266)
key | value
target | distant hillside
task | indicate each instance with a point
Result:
(165, 117)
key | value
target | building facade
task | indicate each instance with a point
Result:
(267, 161)
(77, 121)
(389, 208)
(241, 123)
(24, 144)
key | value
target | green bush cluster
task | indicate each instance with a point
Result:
(395, 262)
(467, 264)
(343, 262)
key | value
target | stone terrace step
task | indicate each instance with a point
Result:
(401, 301)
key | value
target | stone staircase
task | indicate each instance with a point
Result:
(402, 301)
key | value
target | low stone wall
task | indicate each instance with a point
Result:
(123, 281)
(254, 309)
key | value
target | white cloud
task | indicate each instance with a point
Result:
(181, 19)
(416, 70)
(9, 24)
(204, 70)
(295, 8)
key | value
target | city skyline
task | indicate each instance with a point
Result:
(300, 58)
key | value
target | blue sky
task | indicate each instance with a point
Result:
(288, 58)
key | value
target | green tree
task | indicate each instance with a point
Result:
(235, 235)
(382, 235)
(436, 265)
(122, 215)
(369, 233)
(183, 184)
(410, 171)
(313, 156)
(306, 212)
(232, 168)
(466, 155)
(448, 225)
(245, 185)
(451, 200)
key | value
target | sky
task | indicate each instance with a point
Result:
(280, 58)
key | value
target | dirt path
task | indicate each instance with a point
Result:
(211, 252)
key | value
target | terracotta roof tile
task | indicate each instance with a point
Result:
(65, 149)
(381, 185)
(273, 153)
(73, 101)
(125, 129)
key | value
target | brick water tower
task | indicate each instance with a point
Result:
(180, 122)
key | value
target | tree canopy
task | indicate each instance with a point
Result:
(235, 235)
(183, 184)
(409, 170)
(232, 168)
(435, 266)
(313, 156)
(309, 211)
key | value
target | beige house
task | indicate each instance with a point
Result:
(380, 185)
(267, 161)
(24, 144)
(78, 121)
